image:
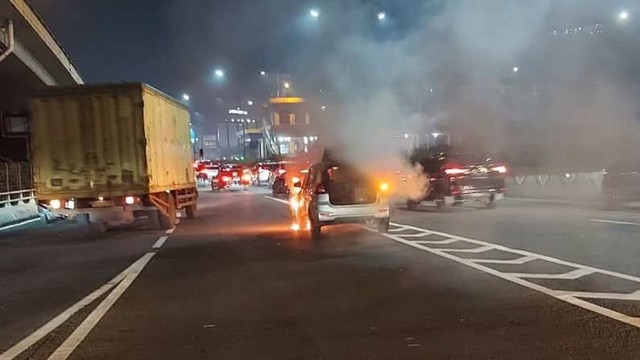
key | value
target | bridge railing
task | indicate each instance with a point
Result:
(16, 183)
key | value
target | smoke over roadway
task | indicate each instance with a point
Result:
(505, 78)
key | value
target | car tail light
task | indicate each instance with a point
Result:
(455, 189)
(320, 189)
(455, 171)
(281, 171)
(226, 179)
(246, 177)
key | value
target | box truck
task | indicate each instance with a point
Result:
(109, 154)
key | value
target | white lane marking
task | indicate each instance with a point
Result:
(526, 257)
(600, 295)
(47, 328)
(615, 222)
(569, 275)
(276, 199)
(444, 242)
(563, 296)
(416, 235)
(19, 224)
(518, 261)
(398, 229)
(527, 253)
(72, 342)
(170, 231)
(159, 242)
(477, 250)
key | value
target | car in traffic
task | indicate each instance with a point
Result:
(334, 192)
(262, 173)
(231, 177)
(456, 178)
(208, 172)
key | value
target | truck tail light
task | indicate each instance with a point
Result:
(70, 204)
(55, 204)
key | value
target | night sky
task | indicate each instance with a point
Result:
(176, 44)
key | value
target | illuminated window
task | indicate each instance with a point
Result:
(292, 119)
(276, 119)
(307, 119)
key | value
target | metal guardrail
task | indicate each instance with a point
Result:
(15, 197)
(16, 183)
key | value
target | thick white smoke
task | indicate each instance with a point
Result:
(495, 75)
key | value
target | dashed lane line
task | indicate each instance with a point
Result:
(81, 332)
(158, 244)
(121, 282)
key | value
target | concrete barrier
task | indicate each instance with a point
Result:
(19, 211)
(568, 186)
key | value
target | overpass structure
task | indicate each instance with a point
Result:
(30, 58)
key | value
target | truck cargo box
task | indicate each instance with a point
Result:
(109, 140)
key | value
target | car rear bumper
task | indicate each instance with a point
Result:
(328, 214)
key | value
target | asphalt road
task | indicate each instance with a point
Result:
(525, 281)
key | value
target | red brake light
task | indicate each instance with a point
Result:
(455, 171)
(226, 179)
(501, 169)
(320, 189)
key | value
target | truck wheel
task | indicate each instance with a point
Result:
(170, 221)
(191, 211)
(153, 217)
(383, 226)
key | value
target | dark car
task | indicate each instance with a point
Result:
(455, 178)
(621, 184)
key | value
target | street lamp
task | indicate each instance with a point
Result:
(382, 16)
(263, 73)
(286, 85)
(250, 103)
(219, 73)
(186, 97)
(315, 13)
(516, 69)
(623, 15)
